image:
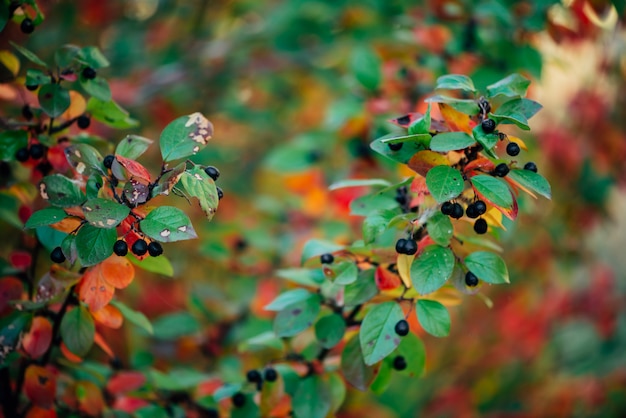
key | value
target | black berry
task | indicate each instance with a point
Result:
(155, 249)
(89, 73)
(410, 247)
(108, 161)
(399, 363)
(32, 87)
(457, 211)
(446, 208)
(44, 167)
(212, 172)
(140, 247)
(57, 255)
(37, 151)
(239, 399)
(472, 211)
(22, 154)
(211, 413)
(480, 226)
(530, 166)
(120, 248)
(480, 206)
(501, 170)
(270, 375)
(254, 376)
(27, 26)
(512, 149)
(83, 121)
(327, 258)
(402, 328)
(401, 246)
(470, 279)
(27, 113)
(220, 193)
(488, 125)
(395, 147)
(401, 199)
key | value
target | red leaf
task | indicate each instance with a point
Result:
(40, 386)
(97, 338)
(128, 404)
(38, 412)
(38, 339)
(386, 280)
(109, 316)
(20, 259)
(481, 164)
(406, 120)
(423, 161)
(90, 400)
(69, 355)
(11, 288)
(124, 382)
(134, 168)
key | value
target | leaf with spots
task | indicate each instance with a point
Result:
(432, 268)
(133, 168)
(78, 330)
(377, 336)
(196, 183)
(185, 136)
(168, 224)
(54, 99)
(297, 317)
(169, 179)
(444, 183)
(94, 244)
(47, 216)
(60, 191)
(94, 290)
(136, 191)
(104, 213)
(40, 385)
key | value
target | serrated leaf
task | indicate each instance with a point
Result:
(433, 317)
(366, 66)
(10, 142)
(104, 213)
(288, 298)
(296, 317)
(110, 113)
(54, 99)
(514, 85)
(493, 190)
(444, 183)
(440, 228)
(198, 184)
(353, 366)
(78, 330)
(47, 216)
(432, 268)
(531, 181)
(455, 82)
(488, 141)
(329, 330)
(451, 141)
(377, 335)
(167, 224)
(517, 112)
(358, 183)
(488, 266)
(85, 159)
(185, 136)
(133, 316)
(60, 191)
(97, 87)
(94, 244)
(28, 55)
(133, 146)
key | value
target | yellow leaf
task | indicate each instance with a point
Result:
(447, 296)
(404, 268)
(518, 141)
(77, 106)
(423, 161)
(10, 61)
(456, 120)
(494, 217)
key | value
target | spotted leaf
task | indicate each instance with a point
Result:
(198, 184)
(185, 136)
(104, 213)
(168, 224)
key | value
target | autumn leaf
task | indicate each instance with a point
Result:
(38, 338)
(99, 282)
(40, 385)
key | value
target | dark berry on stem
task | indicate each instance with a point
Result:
(270, 375)
(155, 249)
(480, 226)
(239, 399)
(395, 147)
(457, 211)
(401, 246)
(37, 151)
(120, 248)
(27, 113)
(402, 328)
(512, 149)
(327, 258)
(470, 279)
(471, 211)
(488, 125)
(212, 172)
(57, 255)
(83, 121)
(108, 161)
(22, 154)
(446, 208)
(401, 199)
(27, 26)
(140, 247)
(501, 170)
(254, 376)
(220, 193)
(480, 206)
(89, 73)
(410, 247)
(530, 166)
(32, 87)
(44, 167)
(399, 363)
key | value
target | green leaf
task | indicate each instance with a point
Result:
(9, 207)
(4, 18)
(94, 244)
(104, 213)
(433, 317)
(421, 125)
(11, 327)
(403, 155)
(60, 191)
(358, 183)
(423, 139)
(160, 265)
(455, 82)
(312, 398)
(150, 411)
(317, 247)
(296, 317)
(366, 66)
(97, 87)
(532, 181)
(362, 290)
(306, 277)
(53, 99)
(28, 54)
(377, 335)
(176, 379)
(451, 141)
(92, 56)
(260, 342)
(175, 325)
(444, 183)
(488, 266)
(10, 142)
(517, 112)
(167, 224)
(78, 330)
(366, 205)
(133, 316)
(47, 216)
(85, 159)
(375, 224)
(414, 352)
(68, 246)
(36, 77)
(198, 184)
(345, 272)
(49, 237)
(488, 141)
(432, 268)
(440, 228)
(353, 366)
(249, 408)
(110, 113)
(329, 330)
(337, 388)
(288, 298)
(383, 377)
(515, 85)
(65, 55)
(185, 136)
(493, 190)
(466, 106)
(133, 146)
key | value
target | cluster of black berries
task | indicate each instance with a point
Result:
(406, 246)
(473, 211)
(214, 173)
(139, 248)
(254, 376)
(35, 151)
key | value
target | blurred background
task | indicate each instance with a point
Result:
(296, 90)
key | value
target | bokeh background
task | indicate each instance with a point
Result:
(281, 80)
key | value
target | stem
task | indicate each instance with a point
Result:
(9, 402)
(64, 125)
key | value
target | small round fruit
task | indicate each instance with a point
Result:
(446, 208)
(512, 149)
(220, 193)
(470, 279)
(254, 376)
(471, 211)
(120, 248)
(27, 26)
(457, 211)
(211, 413)
(480, 206)
(402, 328)
(501, 170)
(44, 167)
(83, 121)
(401, 199)
(399, 363)
(89, 73)
(22, 154)
(155, 249)
(480, 226)
(57, 255)
(395, 147)
(37, 151)
(32, 87)
(108, 161)
(212, 172)
(530, 166)
(27, 113)
(270, 375)
(488, 125)
(410, 247)
(327, 258)
(239, 399)
(140, 247)
(401, 246)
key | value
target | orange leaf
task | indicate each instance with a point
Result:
(67, 225)
(481, 164)
(40, 386)
(117, 271)
(10, 289)
(77, 106)
(94, 290)
(456, 120)
(97, 338)
(423, 161)
(90, 400)
(38, 339)
(124, 382)
(385, 279)
(38, 412)
(109, 316)
(69, 355)
(134, 168)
